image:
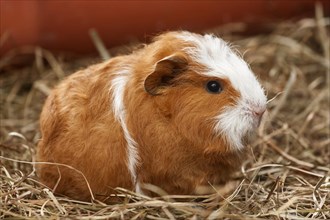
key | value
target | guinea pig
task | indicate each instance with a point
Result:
(175, 114)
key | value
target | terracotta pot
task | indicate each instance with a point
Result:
(64, 25)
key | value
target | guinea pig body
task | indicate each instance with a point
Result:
(172, 114)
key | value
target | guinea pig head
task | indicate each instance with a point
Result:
(207, 92)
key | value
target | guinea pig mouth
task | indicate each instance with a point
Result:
(256, 116)
(256, 121)
(237, 125)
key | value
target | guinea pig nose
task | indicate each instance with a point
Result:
(258, 111)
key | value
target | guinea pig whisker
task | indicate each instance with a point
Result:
(272, 99)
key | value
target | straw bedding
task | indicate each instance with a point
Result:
(287, 175)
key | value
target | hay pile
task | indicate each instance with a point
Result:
(286, 177)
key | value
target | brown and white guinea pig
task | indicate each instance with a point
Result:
(174, 114)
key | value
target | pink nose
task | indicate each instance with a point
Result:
(258, 112)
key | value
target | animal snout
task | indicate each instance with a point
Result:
(258, 112)
(256, 109)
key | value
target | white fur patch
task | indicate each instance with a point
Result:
(222, 62)
(138, 189)
(118, 88)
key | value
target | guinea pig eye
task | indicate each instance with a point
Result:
(213, 87)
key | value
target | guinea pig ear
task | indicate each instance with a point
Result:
(164, 72)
